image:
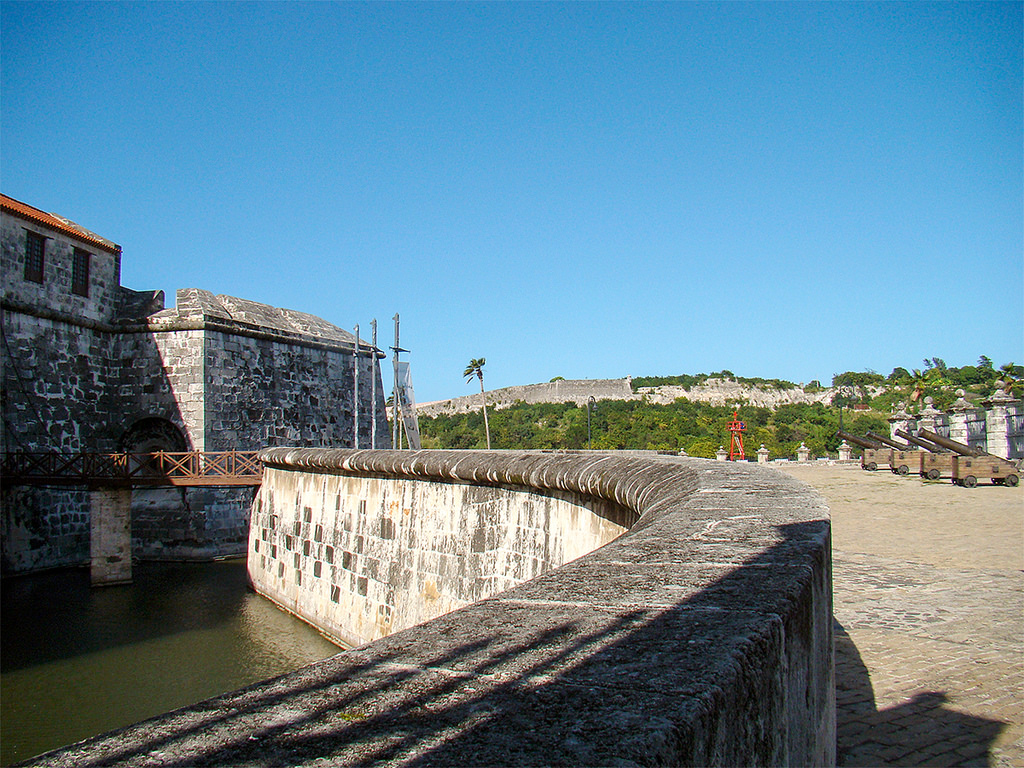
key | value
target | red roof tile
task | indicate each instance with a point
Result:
(56, 222)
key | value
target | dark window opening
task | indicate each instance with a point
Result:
(35, 250)
(80, 273)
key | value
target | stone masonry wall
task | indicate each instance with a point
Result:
(91, 373)
(702, 636)
(43, 527)
(54, 380)
(190, 523)
(578, 391)
(54, 292)
(361, 558)
(262, 393)
(563, 391)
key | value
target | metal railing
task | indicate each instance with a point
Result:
(192, 468)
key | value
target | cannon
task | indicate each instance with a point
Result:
(919, 442)
(935, 461)
(873, 451)
(888, 441)
(902, 458)
(949, 445)
(970, 464)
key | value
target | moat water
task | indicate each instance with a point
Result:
(78, 661)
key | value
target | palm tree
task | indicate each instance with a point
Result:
(476, 368)
(1011, 379)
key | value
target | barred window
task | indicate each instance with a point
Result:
(80, 273)
(35, 248)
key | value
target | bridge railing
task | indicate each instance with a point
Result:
(188, 468)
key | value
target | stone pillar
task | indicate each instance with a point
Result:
(762, 455)
(903, 421)
(846, 451)
(803, 453)
(1002, 424)
(966, 423)
(932, 419)
(721, 454)
(110, 540)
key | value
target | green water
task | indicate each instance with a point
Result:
(77, 661)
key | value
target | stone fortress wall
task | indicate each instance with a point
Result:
(997, 426)
(714, 391)
(114, 370)
(360, 558)
(702, 635)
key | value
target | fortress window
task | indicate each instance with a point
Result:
(35, 249)
(80, 273)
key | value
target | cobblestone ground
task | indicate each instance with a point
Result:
(929, 611)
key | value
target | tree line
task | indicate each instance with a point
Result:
(697, 428)
(700, 429)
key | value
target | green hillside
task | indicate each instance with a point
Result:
(697, 428)
(700, 428)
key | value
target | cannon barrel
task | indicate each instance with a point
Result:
(952, 445)
(887, 441)
(932, 447)
(862, 442)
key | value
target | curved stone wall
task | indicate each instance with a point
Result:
(361, 552)
(701, 636)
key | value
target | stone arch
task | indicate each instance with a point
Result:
(153, 434)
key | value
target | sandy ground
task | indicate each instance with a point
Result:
(929, 617)
(923, 521)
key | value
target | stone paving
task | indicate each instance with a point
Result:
(929, 611)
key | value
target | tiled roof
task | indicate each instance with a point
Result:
(56, 222)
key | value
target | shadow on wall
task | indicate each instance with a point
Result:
(517, 679)
(921, 731)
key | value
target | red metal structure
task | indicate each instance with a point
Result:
(736, 428)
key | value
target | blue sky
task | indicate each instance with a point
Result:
(785, 190)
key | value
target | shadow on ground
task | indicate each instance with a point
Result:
(920, 732)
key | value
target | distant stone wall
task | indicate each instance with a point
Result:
(579, 391)
(563, 391)
(716, 391)
(702, 636)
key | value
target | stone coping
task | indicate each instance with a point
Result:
(701, 636)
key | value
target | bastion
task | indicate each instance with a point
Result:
(700, 635)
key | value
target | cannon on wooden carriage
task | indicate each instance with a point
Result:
(873, 452)
(971, 464)
(935, 460)
(902, 458)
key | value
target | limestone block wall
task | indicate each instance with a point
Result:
(363, 557)
(714, 391)
(50, 384)
(179, 355)
(261, 392)
(563, 391)
(701, 636)
(190, 523)
(54, 292)
(43, 527)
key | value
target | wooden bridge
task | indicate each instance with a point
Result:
(192, 468)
